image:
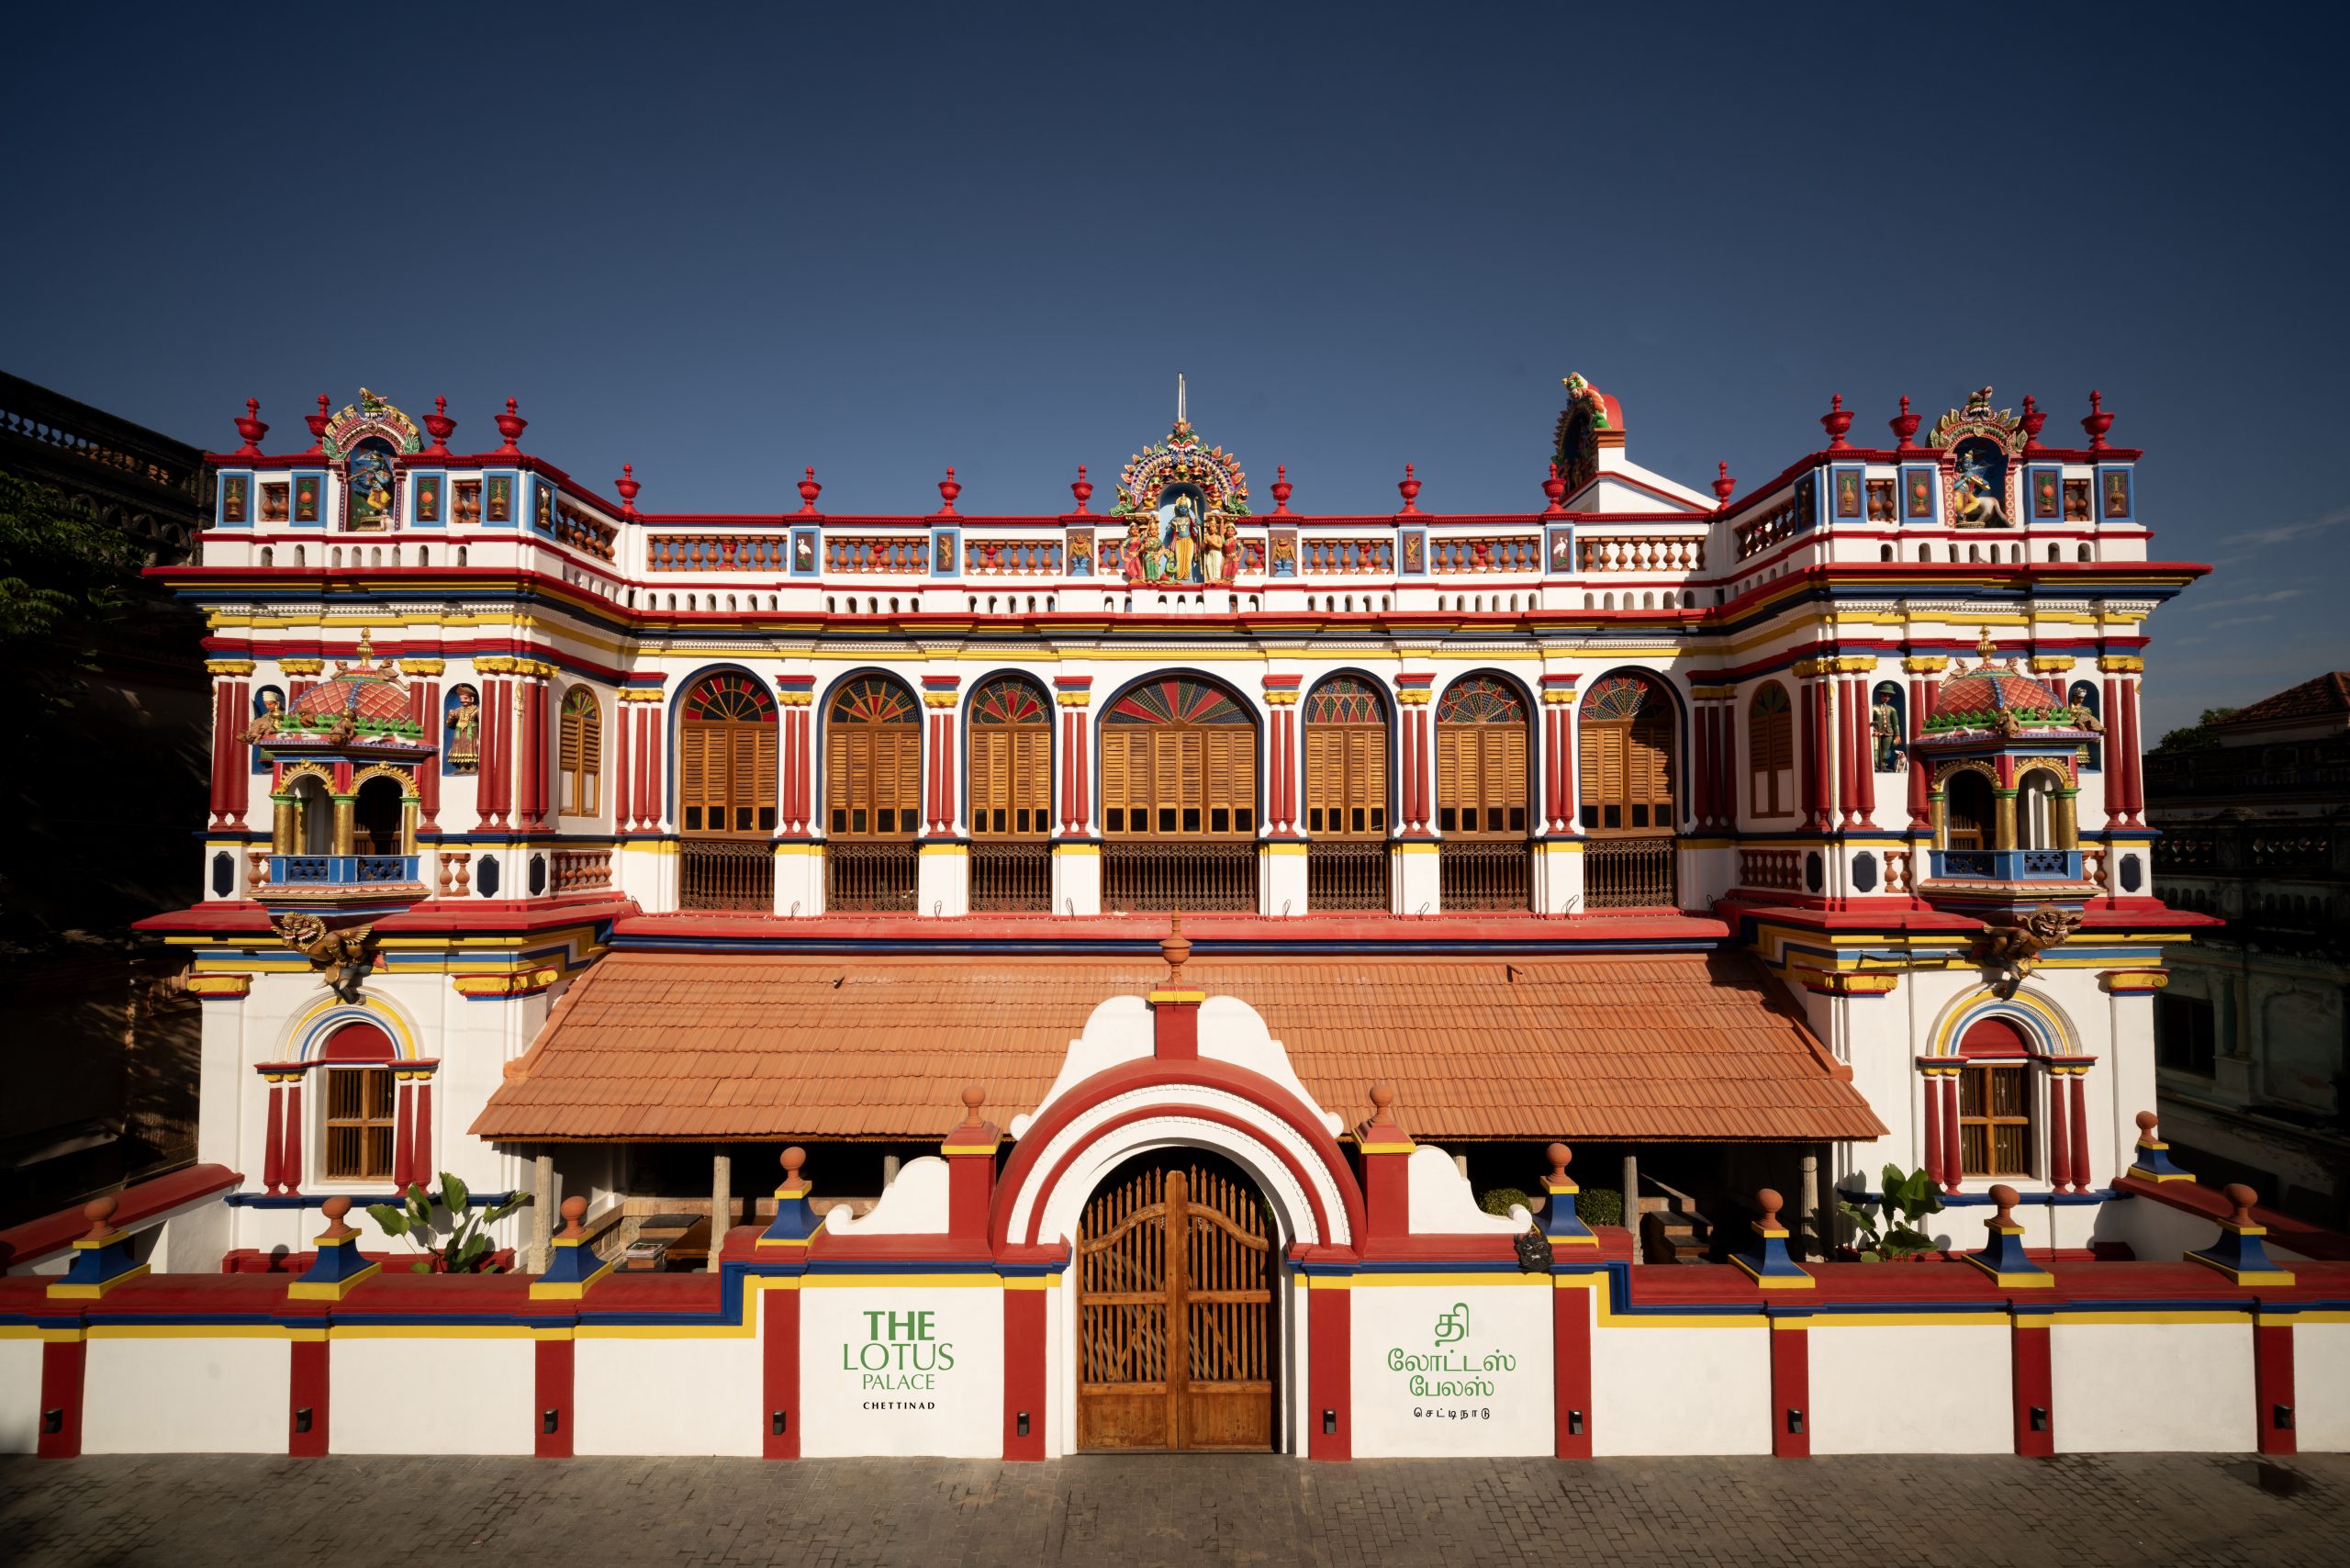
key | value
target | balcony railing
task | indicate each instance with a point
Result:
(579, 870)
(1484, 874)
(1014, 877)
(1781, 869)
(2008, 865)
(341, 870)
(1629, 873)
(1341, 876)
(732, 875)
(1178, 879)
(869, 879)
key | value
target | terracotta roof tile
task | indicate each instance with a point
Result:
(1671, 1046)
(2329, 693)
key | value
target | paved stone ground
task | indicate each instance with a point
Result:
(2070, 1512)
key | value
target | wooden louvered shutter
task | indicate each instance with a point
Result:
(837, 769)
(1602, 776)
(1116, 777)
(591, 757)
(1505, 780)
(569, 736)
(904, 778)
(1449, 745)
(1029, 787)
(1371, 768)
(762, 784)
(1325, 769)
(990, 811)
(693, 775)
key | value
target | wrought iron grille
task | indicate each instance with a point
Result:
(1629, 873)
(869, 879)
(1178, 878)
(1014, 877)
(736, 874)
(1347, 876)
(1485, 874)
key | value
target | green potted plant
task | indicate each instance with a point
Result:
(467, 1249)
(1888, 1222)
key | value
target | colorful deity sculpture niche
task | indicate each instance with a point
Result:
(463, 752)
(1979, 444)
(370, 486)
(1885, 727)
(1179, 499)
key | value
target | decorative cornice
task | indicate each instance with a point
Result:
(423, 666)
(302, 667)
(494, 987)
(1926, 664)
(228, 666)
(2121, 664)
(220, 987)
(2050, 664)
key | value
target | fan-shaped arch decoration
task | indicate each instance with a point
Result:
(1346, 699)
(1771, 698)
(1618, 698)
(873, 699)
(1008, 699)
(1178, 700)
(730, 696)
(1481, 699)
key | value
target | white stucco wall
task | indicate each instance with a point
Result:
(187, 1395)
(1681, 1390)
(2139, 1387)
(2322, 1387)
(432, 1396)
(20, 1394)
(667, 1396)
(1432, 1378)
(1910, 1388)
(923, 1377)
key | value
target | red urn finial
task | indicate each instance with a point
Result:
(1561, 1156)
(1723, 484)
(319, 424)
(334, 1209)
(573, 1209)
(1904, 426)
(2007, 1198)
(808, 491)
(1555, 489)
(973, 1098)
(1768, 1200)
(793, 1158)
(1281, 488)
(947, 490)
(1082, 489)
(627, 485)
(511, 425)
(1836, 421)
(2147, 1122)
(2098, 422)
(1410, 486)
(99, 1212)
(2243, 1198)
(440, 426)
(1175, 947)
(252, 429)
(2034, 417)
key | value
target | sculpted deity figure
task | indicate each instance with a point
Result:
(1182, 537)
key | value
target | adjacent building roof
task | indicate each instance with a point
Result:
(707, 1048)
(2328, 694)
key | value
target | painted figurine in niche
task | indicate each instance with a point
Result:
(1921, 495)
(1079, 544)
(1562, 552)
(501, 501)
(1884, 730)
(2117, 494)
(1979, 488)
(547, 509)
(428, 501)
(1848, 495)
(803, 552)
(232, 499)
(1285, 552)
(465, 731)
(942, 561)
(371, 487)
(1182, 536)
(306, 500)
(2076, 500)
(1214, 537)
(2044, 495)
(269, 709)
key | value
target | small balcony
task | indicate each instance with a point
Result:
(1202, 875)
(295, 874)
(2006, 865)
(732, 875)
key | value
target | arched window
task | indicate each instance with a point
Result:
(873, 760)
(1481, 783)
(376, 818)
(1346, 760)
(1626, 755)
(1010, 760)
(579, 752)
(1994, 1101)
(1178, 760)
(726, 756)
(310, 828)
(1770, 753)
(1966, 810)
(358, 1121)
(2039, 823)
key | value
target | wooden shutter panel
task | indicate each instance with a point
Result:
(837, 789)
(1505, 782)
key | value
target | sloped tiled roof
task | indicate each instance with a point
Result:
(2329, 693)
(651, 1045)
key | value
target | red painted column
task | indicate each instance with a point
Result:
(779, 1371)
(1024, 1367)
(62, 1365)
(2116, 790)
(403, 1134)
(2060, 1142)
(1838, 693)
(293, 1172)
(534, 711)
(241, 771)
(1084, 751)
(428, 774)
(2028, 1342)
(1954, 1160)
(1701, 774)
(1807, 699)
(223, 737)
(1567, 765)
(946, 747)
(624, 782)
(1329, 1321)
(1790, 1389)
(651, 802)
(551, 1389)
(2272, 1379)
(1570, 1356)
(273, 1155)
(2130, 775)
(309, 1389)
(1920, 780)
(1934, 1125)
(420, 1154)
(490, 764)
(1412, 814)
(1289, 770)
(2080, 1096)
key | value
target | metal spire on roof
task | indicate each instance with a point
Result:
(1180, 413)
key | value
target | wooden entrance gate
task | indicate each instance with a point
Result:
(1174, 1312)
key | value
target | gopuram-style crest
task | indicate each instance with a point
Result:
(371, 415)
(1180, 497)
(1979, 444)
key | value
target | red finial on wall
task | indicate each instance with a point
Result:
(252, 429)
(1836, 421)
(1555, 489)
(1082, 489)
(1410, 486)
(99, 1212)
(628, 487)
(319, 424)
(511, 425)
(947, 490)
(2034, 417)
(808, 491)
(1723, 484)
(1281, 489)
(2098, 422)
(440, 426)
(1904, 426)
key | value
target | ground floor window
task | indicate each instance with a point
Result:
(1995, 1119)
(359, 1123)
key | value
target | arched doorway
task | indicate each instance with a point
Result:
(1011, 746)
(376, 818)
(1177, 1342)
(1482, 783)
(1966, 810)
(1625, 730)
(726, 794)
(1346, 795)
(872, 795)
(1179, 798)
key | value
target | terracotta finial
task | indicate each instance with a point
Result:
(99, 1212)
(2006, 1197)
(948, 488)
(1904, 426)
(2242, 1197)
(1554, 491)
(973, 1098)
(1560, 1155)
(627, 485)
(1175, 947)
(1384, 1097)
(511, 425)
(1409, 487)
(334, 1208)
(793, 1158)
(574, 1210)
(1770, 1203)
(1082, 489)
(1283, 488)
(322, 420)
(252, 429)
(2147, 1121)
(439, 426)
(2098, 422)
(1723, 483)
(1836, 421)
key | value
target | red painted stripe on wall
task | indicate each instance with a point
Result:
(1329, 1327)
(2272, 1379)
(551, 1404)
(2029, 1349)
(1024, 1372)
(1571, 1355)
(61, 1362)
(1790, 1392)
(780, 1372)
(308, 1389)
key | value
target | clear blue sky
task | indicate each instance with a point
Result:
(885, 238)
